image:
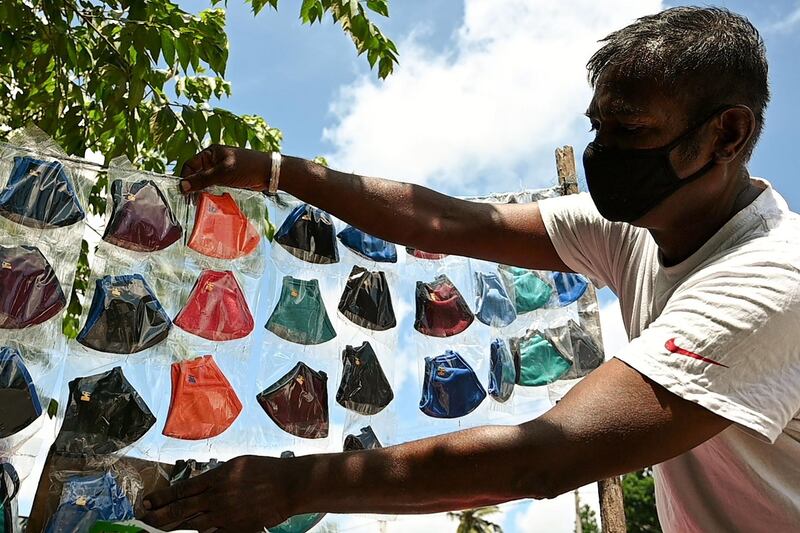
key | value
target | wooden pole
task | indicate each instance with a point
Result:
(612, 510)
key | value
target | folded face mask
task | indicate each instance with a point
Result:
(203, 403)
(527, 290)
(494, 306)
(537, 361)
(187, 469)
(450, 388)
(419, 254)
(87, 499)
(221, 230)
(124, 317)
(298, 523)
(29, 289)
(19, 402)
(502, 373)
(40, 195)
(441, 310)
(570, 287)
(141, 219)
(104, 414)
(216, 308)
(366, 440)
(367, 246)
(298, 402)
(300, 314)
(575, 342)
(364, 387)
(366, 300)
(308, 234)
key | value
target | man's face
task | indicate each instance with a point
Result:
(633, 114)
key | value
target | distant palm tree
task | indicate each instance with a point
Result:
(473, 521)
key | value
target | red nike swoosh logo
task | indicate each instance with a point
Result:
(674, 348)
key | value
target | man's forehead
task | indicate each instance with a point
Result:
(627, 97)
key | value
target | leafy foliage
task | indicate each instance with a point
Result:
(474, 521)
(640, 502)
(136, 78)
(588, 519)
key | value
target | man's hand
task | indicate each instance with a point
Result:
(228, 166)
(244, 495)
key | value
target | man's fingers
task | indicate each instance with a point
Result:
(177, 512)
(200, 180)
(179, 491)
(201, 160)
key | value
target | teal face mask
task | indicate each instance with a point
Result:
(537, 361)
(300, 314)
(298, 523)
(527, 290)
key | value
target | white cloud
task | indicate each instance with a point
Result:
(486, 114)
(787, 23)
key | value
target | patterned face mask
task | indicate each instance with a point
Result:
(537, 361)
(216, 308)
(366, 440)
(19, 402)
(441, 310)
(221, 230)
(29, 289)
(502, 373)
(88, 499)
(40, 195)
(366, 300)
(298, 523)
(141, 219)
(125, 316)
(300, 314)
(203, 403)
(364, 387)
(570, 287)
(308, 234)
(105, 414)
(298, 402)
(450, 388)
(367, 246)
(527, 290)
(493, 304)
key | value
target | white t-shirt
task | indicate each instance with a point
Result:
(721, 329)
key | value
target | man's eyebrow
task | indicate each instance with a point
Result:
(617, 108)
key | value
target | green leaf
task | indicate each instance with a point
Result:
(168, 47)
(214, 128)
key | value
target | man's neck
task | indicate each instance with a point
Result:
(678, 243)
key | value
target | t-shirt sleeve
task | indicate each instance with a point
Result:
(729, 340)
(585, 241)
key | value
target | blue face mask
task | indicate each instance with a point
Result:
(494, 306)
(40, 195)
(308, 234)
(367, 246)
(450, 388)
(502, 373)
(87, 499)
(570, 287)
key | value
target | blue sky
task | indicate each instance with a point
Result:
(484, 92)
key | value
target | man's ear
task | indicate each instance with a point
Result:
(735, 126)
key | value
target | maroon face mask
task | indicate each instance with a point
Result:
(441, 310)
(141, 219)
(29, 289)
(298, 402)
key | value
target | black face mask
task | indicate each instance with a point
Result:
(366, 440)
(19, 402)
(626, 183)
(366, 300)
(104, 414)
(9, 487)
(364, 388)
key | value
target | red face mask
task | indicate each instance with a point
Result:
(221, 230)
(441, 310)
(419, 254)
(216, 309)
(203, 403)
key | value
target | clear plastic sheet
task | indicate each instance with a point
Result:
(9, 488)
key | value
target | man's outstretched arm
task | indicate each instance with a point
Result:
(614, 421)
(398, 212)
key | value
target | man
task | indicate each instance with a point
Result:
(705, 262)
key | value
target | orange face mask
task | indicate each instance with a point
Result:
(221, 230)
(203, 403)
(216, 309)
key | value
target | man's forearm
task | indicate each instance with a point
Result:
(470, 468)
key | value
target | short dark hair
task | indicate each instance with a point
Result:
(716, 56)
